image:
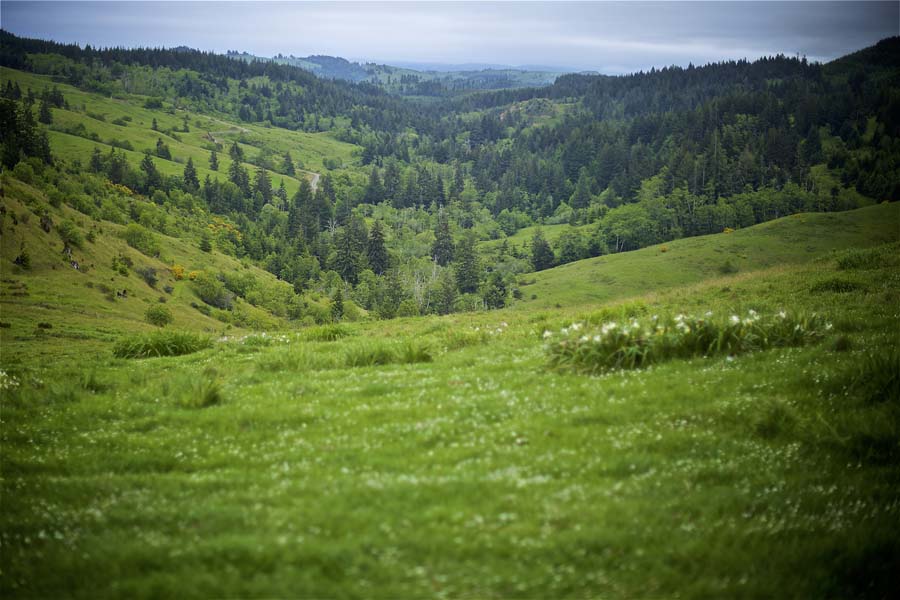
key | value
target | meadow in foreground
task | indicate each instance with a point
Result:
(453, 457)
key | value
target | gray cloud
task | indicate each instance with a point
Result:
(611, 37)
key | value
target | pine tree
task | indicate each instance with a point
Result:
(152, 180)
(376, 250)
(495, 291)
(262, 185)
(191, 181)
(288, 165)
(238, 175)
(542, 256)
(162, 149)
(236, 153)
(446, 292)
(205, 242)
(154, 125)
(442, 249)
(96, 160)
(214, 160)
(44, 114)
(337, 306)
(467, 266)
(581, 197)
(374, 190)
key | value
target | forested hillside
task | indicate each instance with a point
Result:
(345, 190)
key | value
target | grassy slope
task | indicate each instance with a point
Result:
(73, 302)
(308, 148)
(789, 240)
(478, 474)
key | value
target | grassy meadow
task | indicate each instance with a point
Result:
(453, 456)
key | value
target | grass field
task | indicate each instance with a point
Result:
(445, 456)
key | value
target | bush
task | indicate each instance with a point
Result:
(70, 233)
(158, 315)
(212, 291)
(160, 343)
(148, 274)
(634, 344)
(141, 239)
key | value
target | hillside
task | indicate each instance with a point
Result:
(796, 239)
(419, 455)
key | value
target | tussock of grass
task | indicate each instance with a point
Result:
(160, 343)
(868, 258)
(371, 354)
(873, 379)
(326, 333)
(637, 343)
(837, 285)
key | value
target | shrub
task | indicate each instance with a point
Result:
(148, 274)
(158, 315)
(160, 343)
(212, 291)
(634, 344)
(141, 239)
(70, 233)
(177, 272)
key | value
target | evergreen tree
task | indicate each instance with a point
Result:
(541, 253)
(96, 160)
(346, 255)
(152, 178)
(206, 242)
(374, 190)
(236, 153)
(581, 197)
(467, 275)
(262, 185)
(154, 125)
(191, 181)
(446, 292)
(238, 175)
(44, 114)
(495, 291)
(162, 149)
(376, 250)
(288, 167)
(214, 160)
(442, 249)
(337, 306)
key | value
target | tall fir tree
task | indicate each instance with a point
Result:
(191, 181)
(214, 160)
(467, 269)
(377, 252)
(442, 249)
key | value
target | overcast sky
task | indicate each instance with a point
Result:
(610, 37)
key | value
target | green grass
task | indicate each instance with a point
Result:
(772, 245)
(305, 466)
(160, 343)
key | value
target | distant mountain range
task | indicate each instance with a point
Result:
(420, 79)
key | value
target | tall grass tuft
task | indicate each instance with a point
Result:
(326, 333)
(635, 343)
(160, 343)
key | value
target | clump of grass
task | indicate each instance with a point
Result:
(160, 343)
(869, 258)
(635, 343)
(874, 379)
(837, 285)
(454, 339)
(371, 354)
(203, 392)
(326, 333)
